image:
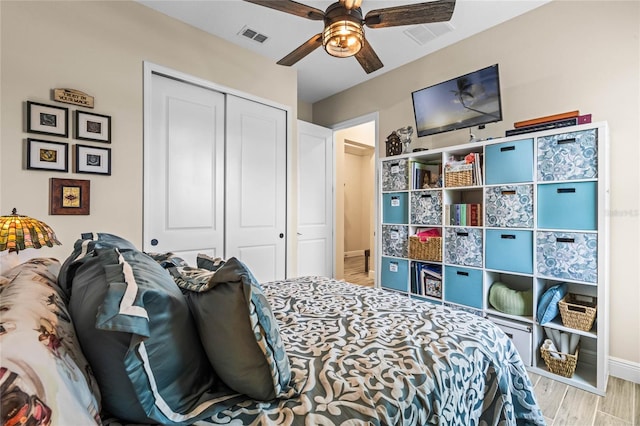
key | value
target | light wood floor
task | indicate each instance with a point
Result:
(561, 405)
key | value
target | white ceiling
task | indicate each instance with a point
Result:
(319, 74)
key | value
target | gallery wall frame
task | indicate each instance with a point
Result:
(47, 155)
(92, 127)
(69, 196)
(92, 159)
(47, 119)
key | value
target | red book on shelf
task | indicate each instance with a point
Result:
(546, 119)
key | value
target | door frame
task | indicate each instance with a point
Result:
(150, 68)
(371, 117)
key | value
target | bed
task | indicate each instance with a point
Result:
(108, 335)
(369, 356)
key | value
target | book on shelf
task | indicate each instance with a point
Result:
(546, 119)
(425, 175)
(463, 214)
(426, 280)
(573, 121)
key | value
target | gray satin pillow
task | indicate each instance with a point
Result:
(240, 334)
(137, 332)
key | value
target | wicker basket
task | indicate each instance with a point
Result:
(564, 368)
(459, 177)
(429, 249)
(578, 314)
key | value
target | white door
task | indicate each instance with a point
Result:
(315, 200)
(184, 170)
(256, 187)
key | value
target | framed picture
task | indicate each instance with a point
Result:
(91, 159)
(69, 196)
(47, 155)
(47, 119)
(93, 127)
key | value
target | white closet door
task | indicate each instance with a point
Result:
(256, 187)
(184, 170)
(315, 200)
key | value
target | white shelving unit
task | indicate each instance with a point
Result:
(542, 200)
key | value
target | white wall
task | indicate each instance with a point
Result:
(563, 56)
(99, 47)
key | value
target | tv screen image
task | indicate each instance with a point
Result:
(469, 100)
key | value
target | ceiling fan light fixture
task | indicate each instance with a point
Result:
(343, 38)
(351, 4)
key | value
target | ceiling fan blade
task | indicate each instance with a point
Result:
(411, 14)
(292, 7)
(368, 58)
(303, 50)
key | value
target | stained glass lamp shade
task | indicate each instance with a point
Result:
(18, 232)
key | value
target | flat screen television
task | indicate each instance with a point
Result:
(469, 100)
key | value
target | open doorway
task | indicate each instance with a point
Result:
(355, 202)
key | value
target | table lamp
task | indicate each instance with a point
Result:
(18, 232)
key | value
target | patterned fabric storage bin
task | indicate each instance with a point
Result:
(426, 208)
(395, 207)
(463, 246)
(509, 162)
(567, 255)
(463, 286)
(571, 205)
(395, 240)
(567, 156)
(509, 206)
(394, 274)
(395, 175)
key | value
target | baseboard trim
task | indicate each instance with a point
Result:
(624, 369)
(354, 253)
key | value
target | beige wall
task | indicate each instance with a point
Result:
(99, 47)
(563, 56)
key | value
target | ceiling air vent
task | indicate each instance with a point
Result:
(422, 34)
(253, 35)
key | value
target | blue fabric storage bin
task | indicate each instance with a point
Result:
(570, 205)
(463, 286)
(395, 274)
(509, 162)
(395, 208)
(508, 250)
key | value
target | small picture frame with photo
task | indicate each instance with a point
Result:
(47, 119)
(92, 127)
(92, 159)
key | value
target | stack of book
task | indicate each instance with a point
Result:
(463, 214)
(555, 121)
(426, 280)
(426, 175)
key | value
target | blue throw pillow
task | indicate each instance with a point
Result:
(548, 304)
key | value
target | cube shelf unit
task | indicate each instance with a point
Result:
(542, 200)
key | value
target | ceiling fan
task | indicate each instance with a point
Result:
(343, 33)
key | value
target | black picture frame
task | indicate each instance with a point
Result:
(47, 119)
(92, 127)
(92, 159)
(47, 155)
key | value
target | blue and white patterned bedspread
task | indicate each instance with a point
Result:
(367, 356)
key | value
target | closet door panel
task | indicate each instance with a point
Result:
(256, 187)
(184, 170)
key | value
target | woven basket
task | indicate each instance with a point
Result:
(458, 178)
(564, 368)
(429, 249)
(576, 313)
